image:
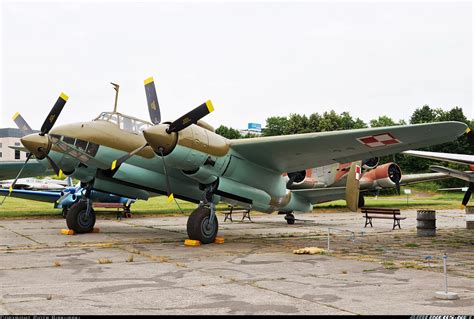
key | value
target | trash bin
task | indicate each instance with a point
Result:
(426, 223)
(470, 217)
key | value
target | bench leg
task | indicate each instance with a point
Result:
(246, 215)
(396, 222)
(228, 216)
(368, 221)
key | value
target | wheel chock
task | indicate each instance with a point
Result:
(67, 232)
(192, 243)
(219, 240)
(95, 230)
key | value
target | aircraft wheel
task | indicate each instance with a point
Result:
(78, 220)
(199, 228)
(290, 218)
(361, 200)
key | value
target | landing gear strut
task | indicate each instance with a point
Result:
(81, 217)
(202, 223)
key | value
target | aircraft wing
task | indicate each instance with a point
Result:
(300, 151)
(321, 195)
(466, 176)
(424, 177)
(10, 169)
(41, 196)
(448, 157)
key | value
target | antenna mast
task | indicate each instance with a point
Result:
(116, 88)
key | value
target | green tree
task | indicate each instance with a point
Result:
(275, 126)
(228, 132)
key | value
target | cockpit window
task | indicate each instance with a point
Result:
(125, 122)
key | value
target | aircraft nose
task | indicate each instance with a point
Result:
(38, 145)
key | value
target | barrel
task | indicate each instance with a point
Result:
(426, 223)
(470, 217)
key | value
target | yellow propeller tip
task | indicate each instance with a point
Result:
(15, 115)
(64, 96)
(209, 105)
(468, 130)
(60, 174)
(149, 80)
(170, 198)
(114, 164)
(11, 188)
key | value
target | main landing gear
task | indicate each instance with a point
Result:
(80, 216)
(202, 223)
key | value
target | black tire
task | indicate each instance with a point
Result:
(361, 200)
(64, 212)
(290, 219)
(77, 219)
(198, 226)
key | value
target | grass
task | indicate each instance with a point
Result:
(104, 261)
(17, 207)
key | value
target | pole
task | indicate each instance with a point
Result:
(329, 234)
(445, 257)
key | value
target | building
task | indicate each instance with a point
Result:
(11, 137)
(253, 129)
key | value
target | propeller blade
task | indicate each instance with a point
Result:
(53, 114)
(470, 136)
(191, 117)
(353, 187)
(168, 187)
(467, 197)
(12, 186)
(21, 123)
(55, 167)
(116, 164)
(152, 101)
(468, 194)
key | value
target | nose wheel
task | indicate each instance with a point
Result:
(201, 226)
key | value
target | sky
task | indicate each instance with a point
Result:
(251, 59)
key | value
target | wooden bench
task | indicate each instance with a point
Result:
(382, 213)
(123, 209)
(228, 213)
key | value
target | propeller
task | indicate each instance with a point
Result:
(468, 194)
(116, 164)
(191, 117)
(168, 187)
(12, 186)
(152, 101)
(470, 136)
(21, 123)
(53, 114)
(39, 145)
(353, 187)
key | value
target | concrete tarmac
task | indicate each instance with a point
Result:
(140, 266)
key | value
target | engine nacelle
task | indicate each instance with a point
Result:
(384, 176)
(370, 163)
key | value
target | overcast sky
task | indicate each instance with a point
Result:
(252, 59)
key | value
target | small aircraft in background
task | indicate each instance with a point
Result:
(36, 184)
(118, 153)
(68, 197)
(466, 159)
(330, 180)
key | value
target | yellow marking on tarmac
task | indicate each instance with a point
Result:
(192, 243)
(67, 232)
(209, 105)
(149, 80)
(64, 96)
(15, 115)
(219, 240)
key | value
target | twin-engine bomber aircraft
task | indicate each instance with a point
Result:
(117, 154)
